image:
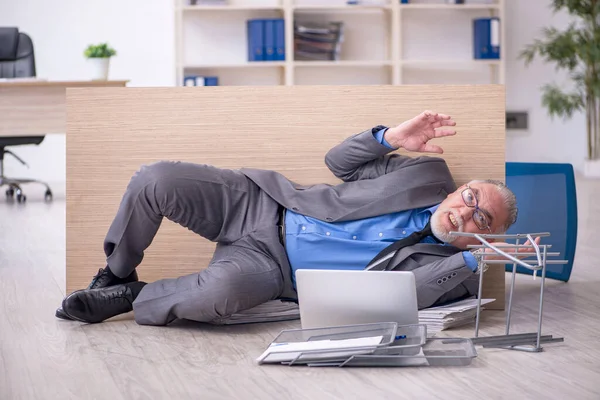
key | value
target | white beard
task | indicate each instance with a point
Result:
(439, 229)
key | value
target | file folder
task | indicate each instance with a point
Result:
(211, 81)
(269, 39)
(486, 38)
(279, 40)
(255, 39)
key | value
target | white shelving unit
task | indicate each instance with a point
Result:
(426, 41)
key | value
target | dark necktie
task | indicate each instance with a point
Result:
(387, 254)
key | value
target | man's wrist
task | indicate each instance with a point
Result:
(380, 137)
(480, 263)
(471, 260)
(391, 136)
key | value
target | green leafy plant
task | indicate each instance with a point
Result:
(102, 50)
(575, 50)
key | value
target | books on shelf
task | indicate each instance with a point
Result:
(266, 39)
(486, 38)
(318, 41)
(436, 318)
(196, 80)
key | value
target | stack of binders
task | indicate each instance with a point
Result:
(318, 42)
(266, 39)
(374, 344)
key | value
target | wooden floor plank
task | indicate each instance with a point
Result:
(45, 358)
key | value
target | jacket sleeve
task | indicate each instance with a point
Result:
(362, 156)
(446, 279)
(467, 288)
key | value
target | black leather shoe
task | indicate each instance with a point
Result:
(103, 278)
(97, 305)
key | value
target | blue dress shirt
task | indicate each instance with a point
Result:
(350, 245)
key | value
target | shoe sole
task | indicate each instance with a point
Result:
(61, 314)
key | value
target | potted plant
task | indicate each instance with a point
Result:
(577, 51)
(98, 57)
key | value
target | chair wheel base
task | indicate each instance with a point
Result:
(15, 192)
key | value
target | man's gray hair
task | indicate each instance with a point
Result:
(510, 201)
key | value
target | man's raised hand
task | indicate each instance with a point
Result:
(415, 134)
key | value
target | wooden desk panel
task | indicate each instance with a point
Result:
(288, 129)
(31, 108)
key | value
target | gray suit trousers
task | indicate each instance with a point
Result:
(221, 205)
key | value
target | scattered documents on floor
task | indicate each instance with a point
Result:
(451, 315)
(436, 318)
(319, 349)
(271, 311)
(384, 344)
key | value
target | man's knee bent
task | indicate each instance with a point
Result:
(153, 173)
(157, 181)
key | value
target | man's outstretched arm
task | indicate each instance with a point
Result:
(365, 155)
(453, 278)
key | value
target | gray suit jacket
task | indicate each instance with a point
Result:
(376, 183)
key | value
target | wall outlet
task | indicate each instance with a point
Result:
(516, 120)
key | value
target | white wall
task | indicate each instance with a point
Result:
(546, 140)
(61, 29)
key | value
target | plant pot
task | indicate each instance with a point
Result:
(591, 168)
(99, 68)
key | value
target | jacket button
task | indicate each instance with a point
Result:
(439, 282)
(329, 219)
(294, 208)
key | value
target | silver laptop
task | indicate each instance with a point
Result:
(338, 297)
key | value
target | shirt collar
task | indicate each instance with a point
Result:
(431, 209)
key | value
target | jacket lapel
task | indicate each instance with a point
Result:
(425, 196)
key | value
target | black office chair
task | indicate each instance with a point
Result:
(17, 61)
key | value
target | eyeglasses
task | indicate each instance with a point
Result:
(480, 217)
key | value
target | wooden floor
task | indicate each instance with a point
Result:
(45, 358)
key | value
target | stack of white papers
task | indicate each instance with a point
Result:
(271, 311)
(436, 318)
(451, 315)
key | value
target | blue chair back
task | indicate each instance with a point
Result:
(547, 201)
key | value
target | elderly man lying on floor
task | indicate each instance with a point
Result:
(266, 227)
